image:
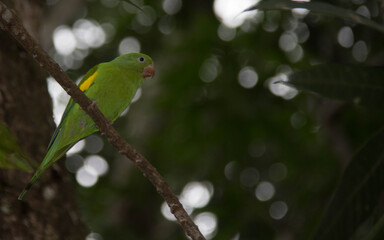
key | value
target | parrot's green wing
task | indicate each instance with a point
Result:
(70, 104)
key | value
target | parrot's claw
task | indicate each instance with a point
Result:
(93, 104)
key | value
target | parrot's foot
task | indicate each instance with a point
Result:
(93, 105)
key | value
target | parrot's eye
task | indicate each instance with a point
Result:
(141, 59)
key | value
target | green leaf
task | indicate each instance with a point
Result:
(318, 7)
(11, 154)
(357, 203)
(356, 84)
(377, 231)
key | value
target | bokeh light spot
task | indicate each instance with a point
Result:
(109, 30)
(64, 40)
(248, 77)
(79, 146)
(288, 41)
(209, 69)
(128, 45)
(146, 17)
(360, 51)
(207, 223)
(265, 191)
(125, 112)
(94, 144)
(300, 12)
(195, 195)
(363, 11)
(230, 12)
(172, 7)
(345, 37)
(278, 210)
(236, 237)
(270, 26)
(93, 236)
(296, 54)
(256, 150)
(48, 193)
(89, 34)
(226, 33)
(59, 97)
(96, 165)
(72, 44)
(137, 95)
(86, 178)
(166, 212)
(230, 170)
(280, 89)
(302, 32)
(74, 163)
(166, 24)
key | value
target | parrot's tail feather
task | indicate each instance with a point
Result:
(31, 182)
(25, 190)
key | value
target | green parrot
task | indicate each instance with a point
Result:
(112, 86)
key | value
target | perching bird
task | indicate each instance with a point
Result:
(111, 85)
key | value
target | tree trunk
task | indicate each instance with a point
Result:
(49, 210)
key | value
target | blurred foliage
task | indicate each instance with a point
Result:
(354, 84)
(360, 190)
(195, 121)
(320, 7)
(11, 154)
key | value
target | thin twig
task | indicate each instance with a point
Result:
(10, 22)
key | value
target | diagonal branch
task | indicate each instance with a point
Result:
(11, 23)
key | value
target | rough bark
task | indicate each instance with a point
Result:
(50, 210)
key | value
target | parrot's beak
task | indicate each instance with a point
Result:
(149, 71)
